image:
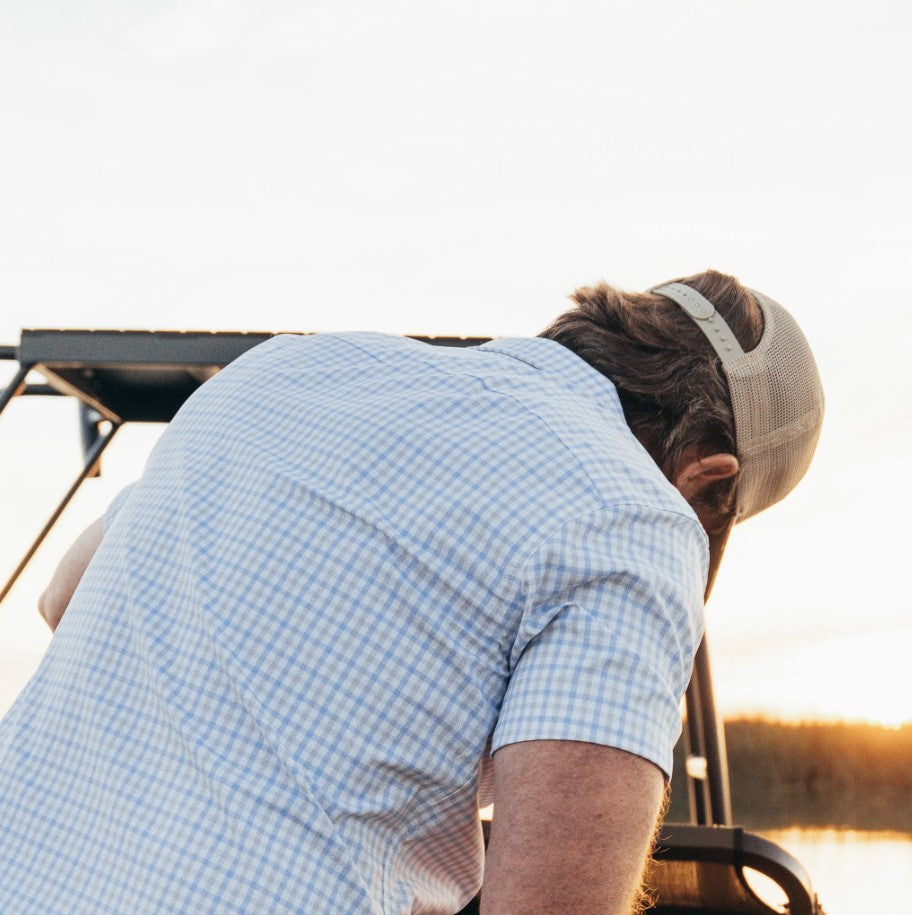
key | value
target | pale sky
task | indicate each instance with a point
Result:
(458, 168)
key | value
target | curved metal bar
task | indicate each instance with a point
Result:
(711, 876)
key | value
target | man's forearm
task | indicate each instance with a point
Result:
(56, 597)
(573, 825)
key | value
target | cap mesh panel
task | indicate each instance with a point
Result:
(777, 400)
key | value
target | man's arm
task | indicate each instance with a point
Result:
(573, 824)
(53, 602)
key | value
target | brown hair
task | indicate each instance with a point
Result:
(668, 376)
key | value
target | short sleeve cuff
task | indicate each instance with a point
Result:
(607, 658)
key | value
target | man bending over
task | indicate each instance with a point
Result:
(366, 584)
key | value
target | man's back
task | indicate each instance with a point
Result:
(353, 561)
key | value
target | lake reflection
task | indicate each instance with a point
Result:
(854, 872)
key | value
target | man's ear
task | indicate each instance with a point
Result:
(696, 474)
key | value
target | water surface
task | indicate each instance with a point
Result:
(854, 872)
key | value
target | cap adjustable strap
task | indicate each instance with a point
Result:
(705, 317)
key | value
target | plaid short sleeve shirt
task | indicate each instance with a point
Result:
(354, 567)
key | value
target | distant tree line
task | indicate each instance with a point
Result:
(855, 776)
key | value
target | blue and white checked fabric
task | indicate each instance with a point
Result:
(353, 566)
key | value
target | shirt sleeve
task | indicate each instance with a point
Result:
(612, 619)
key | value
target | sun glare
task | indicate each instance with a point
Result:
(856, 677)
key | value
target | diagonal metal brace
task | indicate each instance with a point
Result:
(93, 457)
(15, 387)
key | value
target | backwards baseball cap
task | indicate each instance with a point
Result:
(776, 399)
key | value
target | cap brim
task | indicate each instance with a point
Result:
(717, 542)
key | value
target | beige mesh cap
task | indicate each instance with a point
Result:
(776, 397)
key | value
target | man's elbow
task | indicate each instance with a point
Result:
(51, 606)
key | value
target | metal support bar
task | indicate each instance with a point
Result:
(714, 742)
(89, 433)
(92, 459)
(16, 386)
(697, 788)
